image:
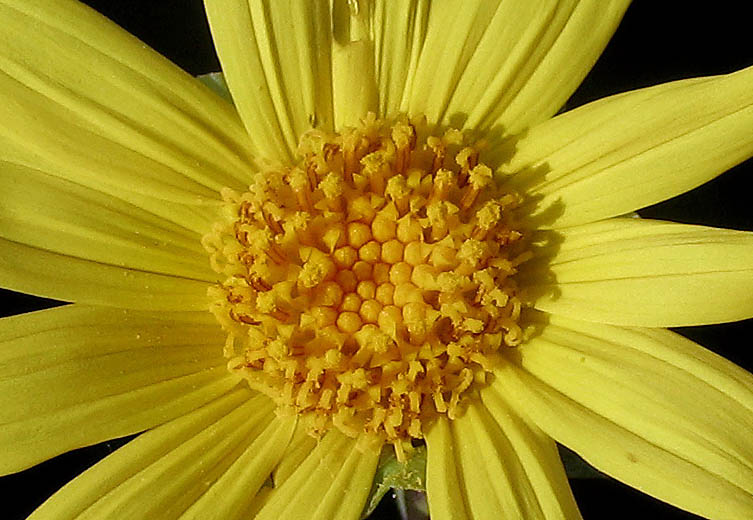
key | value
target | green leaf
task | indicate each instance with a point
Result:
(393, 474)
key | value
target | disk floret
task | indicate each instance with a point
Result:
(369, 287)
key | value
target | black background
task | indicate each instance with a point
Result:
(658, 41)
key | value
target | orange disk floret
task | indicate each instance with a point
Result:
(371, 286)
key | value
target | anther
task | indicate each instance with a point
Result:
(280, 315)
(241, 235)
(330, 150)
(479, 178)
(404, 137)
(438, 214)
(332, 187)
(486, 218)
(354, 146)
(443, 181)
(258, 283)
(398, 191)
(467, 159)
(376, 167)
(299, 182)
(311, 168)
(244, 211)
(248, 320)
(267, 211)
(439, 149)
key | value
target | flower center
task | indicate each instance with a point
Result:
(371, 286)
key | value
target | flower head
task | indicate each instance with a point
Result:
(369, 287)
(387, 243)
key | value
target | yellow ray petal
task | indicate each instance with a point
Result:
(354, 83)
(399, 34)
(493, 465)
(92, 104)
(53, 275)
(332, 483)
(445, 488)
(299, 448)
(641, 272)
(277, 64)
(494, 479)
(537, 455)
(50, 213)
(74, 376)
(625, 152)
(507, 64)
(163, 472)
(492, 488)
(231, 495)
(645, 406)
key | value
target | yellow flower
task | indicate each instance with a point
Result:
(402, 244)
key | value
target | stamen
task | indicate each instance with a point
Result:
(299, 181)
(398, 191)
(479, 178)
(404, 137)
